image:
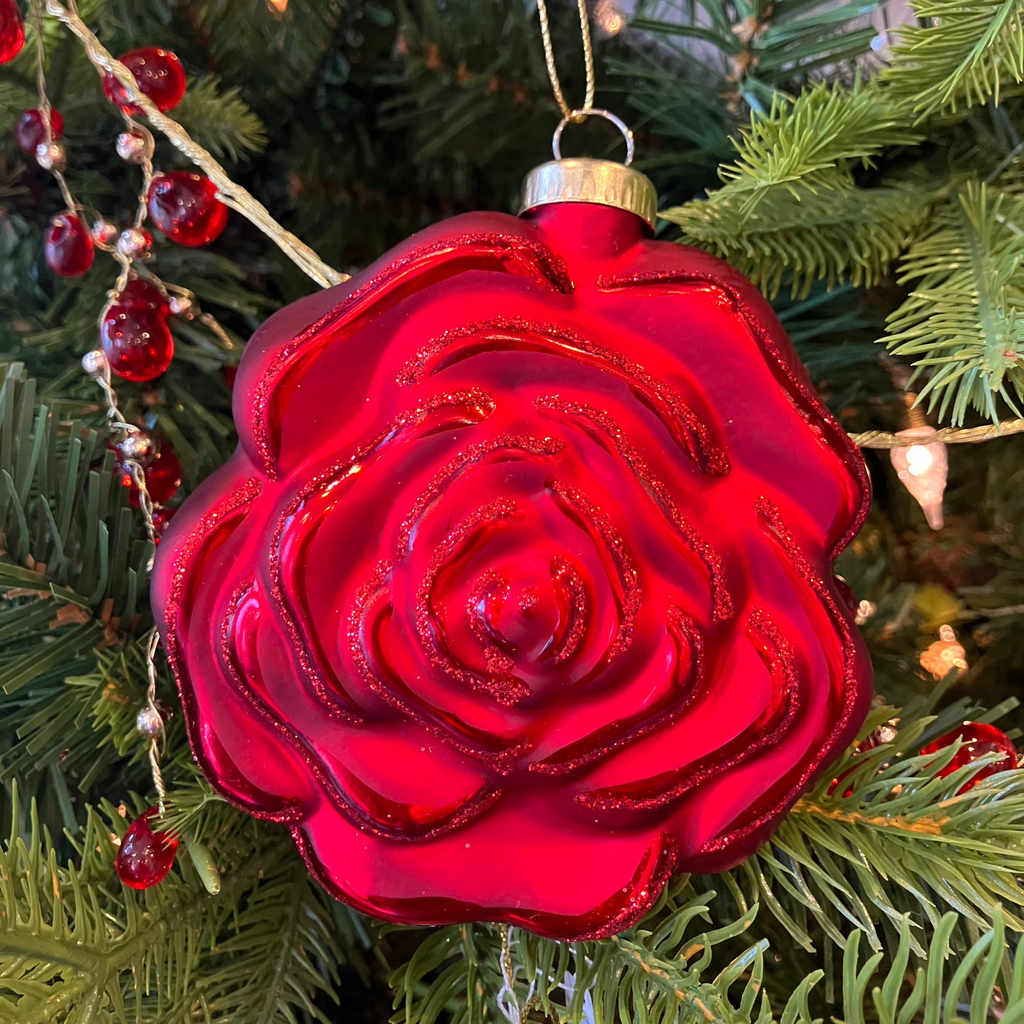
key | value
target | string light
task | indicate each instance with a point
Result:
(609, 18)
(944, 655)
(922, 468)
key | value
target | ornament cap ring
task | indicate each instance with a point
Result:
(578, 116)
(585, 180)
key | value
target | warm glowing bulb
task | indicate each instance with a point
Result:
(922, 468)
(609, 17)
(279, 5)
(919, 459)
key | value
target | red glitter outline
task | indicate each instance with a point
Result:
(399, 280)
(353, 812)
(690, 433)
(722, 603)
(303, 639)
(791, 382)
(626, 906)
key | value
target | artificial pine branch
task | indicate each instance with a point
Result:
(837, 236)
(960, 52)
(961, 319)
(790, 208)
(884, 835)
(220, 121)
(77, 947)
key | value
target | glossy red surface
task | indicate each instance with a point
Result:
(145, 857)
(12, 31)
(157, 72)
(185, 207)
(516, 595)
(139, 294)
(162, 471)
(161, 520)
(68, 246)
(29, 130)
(978, 739)
(137, 342)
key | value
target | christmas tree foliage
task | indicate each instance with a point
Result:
(866, 174)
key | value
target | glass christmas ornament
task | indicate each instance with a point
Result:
(102, 231)
(977, 739)
(162, 472)
(185, 207)
(922, 469)
(516, 596)
(136, 341)
(68, 246)
(145, 857)
(137, 243)
(181, 305)
(131, 147)
(161, 520)
(139, 294)
(159, 75)
(149, 723)
(51, 156)
(12, 31)
(30, 131)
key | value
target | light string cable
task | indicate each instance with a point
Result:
(230, 193)
(581, 113)
(948, 435)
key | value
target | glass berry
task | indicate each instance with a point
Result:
(137, 342)
(162, 472)
(139, 294)
(30, 131)
(185, 207)
(12, 32)
(977, 739)
(68, 246)
(161, 520)
(145, 857)
(159, 75)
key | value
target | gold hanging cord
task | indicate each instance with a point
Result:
(579, 115)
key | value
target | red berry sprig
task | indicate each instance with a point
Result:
(136, 341)
(68, 246)
(12, 31)
(977, 739)
(185, 207)
(159, 75)
(145, 857)
(30, 130)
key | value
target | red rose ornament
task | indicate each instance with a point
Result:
(516, 596)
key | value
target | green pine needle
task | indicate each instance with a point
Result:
(962, 53)
(850, 235)
(220, 121)
(77, 947)
(962, 320)
(790, 208)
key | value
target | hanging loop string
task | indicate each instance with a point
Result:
(580, 114)
(556, 142)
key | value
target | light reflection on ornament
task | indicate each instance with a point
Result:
(922, 468)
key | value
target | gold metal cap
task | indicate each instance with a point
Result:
(584, 180)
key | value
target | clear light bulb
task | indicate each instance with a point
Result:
(923, 469)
